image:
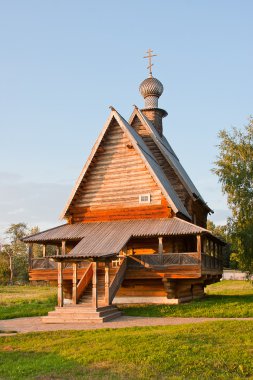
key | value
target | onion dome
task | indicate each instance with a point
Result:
(151, 87)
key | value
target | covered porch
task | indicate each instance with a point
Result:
(94, 261)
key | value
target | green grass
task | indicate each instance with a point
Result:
(26, 301)
(213, 350)
(224, 299)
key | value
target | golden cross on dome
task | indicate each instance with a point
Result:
(150, 64)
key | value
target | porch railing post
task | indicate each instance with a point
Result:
(160, 248)
(94, 286)
(199, 247)
(60, 284)
(107, 278)
(74, 283)
(63, 247)
(30, 255)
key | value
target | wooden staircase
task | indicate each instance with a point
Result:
(86, 298)
(84, 311)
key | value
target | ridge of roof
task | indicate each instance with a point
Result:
(147, 157)
(155, 169)
(169, 154)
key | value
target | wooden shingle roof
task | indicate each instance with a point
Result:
(100, 239)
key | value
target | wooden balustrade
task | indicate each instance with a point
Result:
(211, 262)
(84, 282)
(167, 259)
(43, 263)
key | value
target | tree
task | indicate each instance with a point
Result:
(234, 167)
(16, 252)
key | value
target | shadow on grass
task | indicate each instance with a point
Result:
(19, 365)
(30, 365)
(212, 306)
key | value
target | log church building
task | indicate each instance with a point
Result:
(135, 229)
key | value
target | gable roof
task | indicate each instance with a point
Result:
(147, 157)
(169, 154)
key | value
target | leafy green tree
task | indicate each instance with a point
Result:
(16, 252)
(234, 167)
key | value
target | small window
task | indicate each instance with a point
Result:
(144, 198)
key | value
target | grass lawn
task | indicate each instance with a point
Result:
(213, 350)
(26, 301)
(223, 299)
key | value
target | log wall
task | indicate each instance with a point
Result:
(116, 177)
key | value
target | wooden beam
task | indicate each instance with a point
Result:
(44, 249)
(160, 245)
(160, 248)
(74, 284)
(63, 247)
(30, 254)
(94, 286)
(199, 247)
(60, 287)
(107, 279)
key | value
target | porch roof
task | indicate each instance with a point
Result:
(101, 239)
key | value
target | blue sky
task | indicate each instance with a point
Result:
(62, 63)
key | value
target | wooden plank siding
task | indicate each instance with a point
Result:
(112, 185)
(195, 208)
(51, 274)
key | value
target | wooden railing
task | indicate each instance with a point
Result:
(43, 263)
(48, 263)
(211, 262)
(84, 282)
(117, 280)
(166, 259)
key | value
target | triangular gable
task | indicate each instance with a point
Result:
(147, 157)
(169, 154)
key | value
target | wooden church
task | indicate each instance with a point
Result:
(136, 224)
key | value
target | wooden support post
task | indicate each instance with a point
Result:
(44, 249)
(107, 280)
(30, 255)
(199, 247)
(160, 248)
(74, 284)
(63, 247)
(160, 245)
(60, 285)
(57, 250)
(94, 286)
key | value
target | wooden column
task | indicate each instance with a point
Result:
(199, 247)
(30, 254)
(60, 287)
(57, 251)
(63, 247)
(44, 250)
(107, 280)
(94, 286)
(74, 283)
(160, 248)
(160, 245)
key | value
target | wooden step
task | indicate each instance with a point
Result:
(75, 314)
